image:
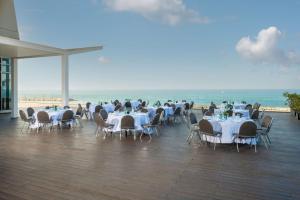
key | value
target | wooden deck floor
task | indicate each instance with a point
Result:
(76, 165)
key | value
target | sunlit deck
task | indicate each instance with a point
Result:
(76, 165)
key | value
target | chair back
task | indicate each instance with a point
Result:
(177, 111)
(98, 108)
(167, 104)
(229, 107)
(23, 116)
(248, 107)
(193, 118)
(255, 114)
(248, 129)
(173, 106)
(87, 105)
(99, 120)
(230, 113)
(203, 110)
(118, 107)
(43, 117)
(30, 112)
(79, 111)
(192, 105)
(128, 104)
(186, 106)
(104, 114)
(206, 127)
(67, 116)
(159, 110)
(267, 122)
(256, 106)
(161, 115)
(211, 109)
(66, 107)
(155, 120)
(127, 122)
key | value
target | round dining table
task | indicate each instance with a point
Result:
(54, 114)
(140, 119)
(228, 127)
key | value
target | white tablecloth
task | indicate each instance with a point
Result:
(243, 111)
(228, 128)
(168, 110)
(139, 120)
(134, 103)
(108, 107)
(239, 106)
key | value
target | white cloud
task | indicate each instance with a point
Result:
(264, 49)
(171, 12)
(104, 60)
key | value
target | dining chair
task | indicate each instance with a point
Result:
(151, 127)
(102, 126)
(78, 115)
(144, 104)
(44, 121)
(255, 115)
(104, 114)
(191, 105)
(248, 130)
(127, 125)
(30, 112)
(264, 130)
(206, 129)
(27, 121)
(67, 119)
(118, 107)
(98, 108)
(203, 110)
(193, 127)
(176, 115)
(87, 111)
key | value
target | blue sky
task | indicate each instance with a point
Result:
(164, 44)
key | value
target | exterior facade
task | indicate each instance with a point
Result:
(12, 49)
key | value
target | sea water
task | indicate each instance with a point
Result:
(272, 98)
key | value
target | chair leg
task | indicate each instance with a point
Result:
(134, 135)
(267, 136)
(264, 141)
(141, 136)
(189, 138)
(23, 125)
(215, 143)
(237, 147)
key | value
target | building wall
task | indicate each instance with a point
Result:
(8, 20)
(9, 28)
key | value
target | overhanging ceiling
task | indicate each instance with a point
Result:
(20, 49)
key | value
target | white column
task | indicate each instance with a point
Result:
(65, 79)
(14, 88)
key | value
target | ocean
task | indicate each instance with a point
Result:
(272, 98)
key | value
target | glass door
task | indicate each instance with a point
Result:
(5, 84)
